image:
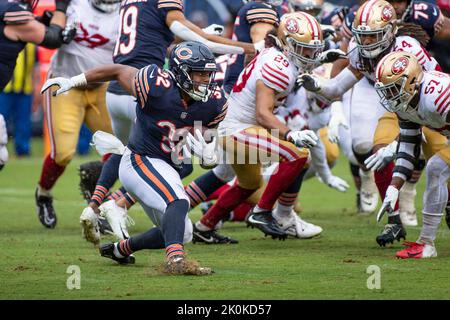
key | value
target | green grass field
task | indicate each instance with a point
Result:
(34, 260)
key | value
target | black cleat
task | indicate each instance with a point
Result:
(390, 233)
(265, 222)
(447, 214)
(211, 237)
(107, 251)
(89, 173)
(104, 226)
(45, 211)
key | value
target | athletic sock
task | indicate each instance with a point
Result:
(108, 176)
(151, 239)
(51, 171)
(201, 188)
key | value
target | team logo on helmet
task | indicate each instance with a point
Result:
(292, 25)
(387, 13)
(400, 65)
(184, 53)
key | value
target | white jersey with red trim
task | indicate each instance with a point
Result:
(276, 71)
(93, 44)
(434, 102)
(402, 43)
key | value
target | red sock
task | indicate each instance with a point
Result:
(216, 194)
(286, 174)
(383, 180)
(50, 173)
(106, 157)
(241, 211)
(229, 200)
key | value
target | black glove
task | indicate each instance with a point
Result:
(342, 13)
(89, 173)
(69, 33)
(61, 5)
(45, 18)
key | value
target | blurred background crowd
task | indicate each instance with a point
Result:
(21, 102)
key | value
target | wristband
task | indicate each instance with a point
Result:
(79, 80)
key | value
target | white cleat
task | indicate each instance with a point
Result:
(306, 230)
(286, 223)
(406, 202)
(89, 223)
(118, 219)
(368, 194)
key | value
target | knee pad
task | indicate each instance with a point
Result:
(224, 172)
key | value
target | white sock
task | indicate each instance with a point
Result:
(283, 211)
(116, 251)
(200, 226)
(44, 192)
(258, 209)
(431, 223)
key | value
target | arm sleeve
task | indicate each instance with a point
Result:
(17, 14)
(319, 160)
(408, 150)
(337, 86)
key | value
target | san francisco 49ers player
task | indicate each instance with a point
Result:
(250, 128)
(419, 99)
(375, 33)
(93, 46)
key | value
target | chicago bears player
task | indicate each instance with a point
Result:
(147, 28)
(168, 105)
(19, 26)
(92, 46)
(420, 99)
(375, 34)
(262, 86)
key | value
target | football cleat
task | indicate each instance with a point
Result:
(390, 233)
(210, 237)
(416, 250)
(265, 222)
(180, 265)
(447, 214)
(89, 224)
(368, 194)
(104, 226)
(306, 230)
(45, 211)
(117, 218)
(89, 173)
(107, 251)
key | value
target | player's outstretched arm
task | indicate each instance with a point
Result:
(188, 31)
(123, 74)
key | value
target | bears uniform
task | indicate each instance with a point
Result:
(425, 14)
(11, 12)
(251, 13)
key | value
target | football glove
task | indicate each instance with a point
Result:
(332, 55)
(303, 138)
(337, 183)
(64, 84)
(199, 147)
(214, 29)
(106, 143)
(309, 82)
(337, 119)
(389, 202)
(382, 157)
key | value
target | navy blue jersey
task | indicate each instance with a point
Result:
(425, 14)
(11, 12)
(144, 35)
(163, 117)
(249, 14)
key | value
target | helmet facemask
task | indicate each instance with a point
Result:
(304, 56)
(384, 38)
(199, 91)
(106, 6)
(394, 97)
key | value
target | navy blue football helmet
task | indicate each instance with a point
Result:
(190, 56)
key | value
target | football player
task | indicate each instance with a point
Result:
(420, 99)
(19, 26)
(262, 85)
(168, 104)
(93, 46)
(375, 34)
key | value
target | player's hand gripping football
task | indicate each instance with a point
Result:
(205, 151)
(389, 202)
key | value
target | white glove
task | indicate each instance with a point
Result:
(205, 151)
(337, 183)
(389, 202)
(64, 84)
(106, 143)
(309, 82)
(303, 139)
(214, 29)
(337, 119)
(296, 122)
(259, 46)
(382, 157)
(332, 55)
